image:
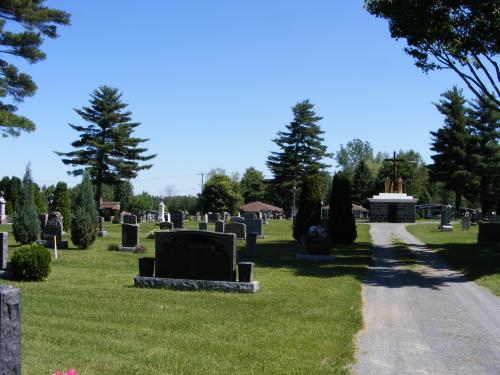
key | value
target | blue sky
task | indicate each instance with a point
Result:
(212, 82)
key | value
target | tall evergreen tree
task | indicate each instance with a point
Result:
(25, 224)
(61, 202)
(23, 24)
(301, 152)
(363, 182)
(485, 128)
(451, 145)
(40, 199)
(106, 145)
(342, 225)
(85, 219)
(252, 185)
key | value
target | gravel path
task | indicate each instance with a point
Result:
(426, 320)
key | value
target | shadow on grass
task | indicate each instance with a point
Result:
(473, 260)
(350, 259)
(428, 269)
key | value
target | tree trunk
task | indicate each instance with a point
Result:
(458, 202)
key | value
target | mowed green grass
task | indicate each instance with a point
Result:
(87, 315)
(460, 250)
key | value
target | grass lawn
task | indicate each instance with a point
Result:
(460, 250)
(88, 315)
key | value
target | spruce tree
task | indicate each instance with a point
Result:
(451, 145)
(61, 202)
(23, 24)
(25, 224)
(106, 145)
(85, 219)
(342, 225)
(309, 210)
(485, 128)
(301, 152)
(363, 182)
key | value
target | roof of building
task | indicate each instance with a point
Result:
(111, 205)
(259, 206)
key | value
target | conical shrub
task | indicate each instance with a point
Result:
(85, 216)
(25, 224)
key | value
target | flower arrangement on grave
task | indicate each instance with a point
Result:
(70, 372)
(317, 241)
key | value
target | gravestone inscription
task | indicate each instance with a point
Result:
(196, 255)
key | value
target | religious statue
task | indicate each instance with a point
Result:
(387, 184)
(392, 187)
(400, 185)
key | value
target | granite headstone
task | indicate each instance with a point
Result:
(10, 330)
(178, 218)
(254, 226)
(237, 228)
(196, 255)
(219, 226)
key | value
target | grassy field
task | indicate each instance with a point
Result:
(460, 250)
(88, 315)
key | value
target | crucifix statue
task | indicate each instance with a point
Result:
(394, 183)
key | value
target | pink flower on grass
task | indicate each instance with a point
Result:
(71, 372)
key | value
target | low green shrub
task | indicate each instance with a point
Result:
(152, 234)
(31, 262)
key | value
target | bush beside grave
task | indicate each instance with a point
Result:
(342, 225)
(25, 224)
(31, 263)
(309, 213)
(84, 220)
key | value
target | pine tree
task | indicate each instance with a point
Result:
(61, 202)
(23, 24)
(301, 152)
(106, 145)
(451, 145)
(485, 129)
(84, 220)
(309, 210)
(25, 224)
(342, 225)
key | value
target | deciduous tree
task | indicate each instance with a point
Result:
(252, 185)
(458, 35)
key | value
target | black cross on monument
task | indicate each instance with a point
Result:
(394, 161)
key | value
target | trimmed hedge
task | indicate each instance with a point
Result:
(31, 262)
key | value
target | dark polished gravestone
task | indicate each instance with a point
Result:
(130, 235)
(203, 226)
(238, 219)
(10, 330)
(237, 228)
(166, 225)
(129, 219)
(4, 249)
(195, 255)
(54, 228)
(219, 226)
(178, 218)
(249, 215)
(213, 217)
(101, 232)
(254, 226)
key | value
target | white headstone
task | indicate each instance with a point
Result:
(3, 218)
(161, 212)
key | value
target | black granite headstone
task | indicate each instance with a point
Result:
(213, 217)
(167, 225)
(129, 219)
(196, 255)
(219, 226)
(254, 226)
(130, 235)
(178, 218)
(10, 330)
(203, 226)
(237, 228)
(4, 250)
(53, 228)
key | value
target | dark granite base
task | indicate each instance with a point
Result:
(185, 284)
(102, 233)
